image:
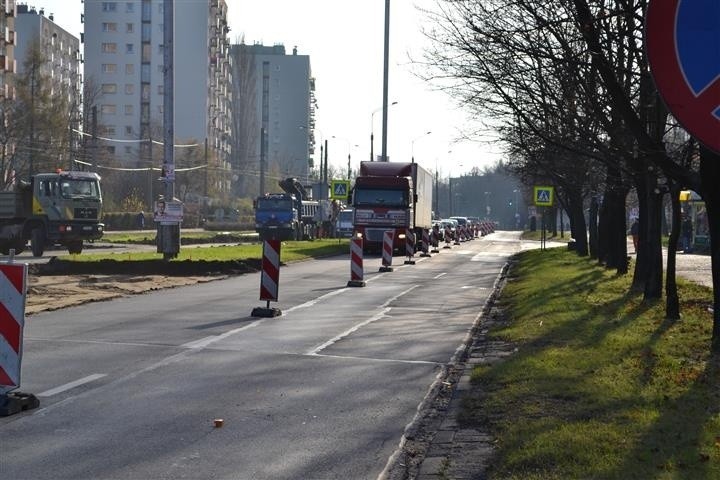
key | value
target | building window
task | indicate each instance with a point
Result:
(160, 109)
(129, 68)
(129, 27)
(161, 89)
(108, 109)
(109, 6)
(128, 150)
(129, 88)
(160, 48)
(109, 130)
(129, 48)
(128, 130)
(109, 47)
(128, 109)
(109, 68)
(129, 7)
(109, 88)
(109, 27)
(111, 150)
(160, 68)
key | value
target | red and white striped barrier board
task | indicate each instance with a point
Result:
(409, 246)
(435, 240)
(425, 243)
(387, 251)
(356, 263)
(13, 279)
(448, 233)
(270, 270)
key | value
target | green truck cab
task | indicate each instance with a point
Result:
(53, 208)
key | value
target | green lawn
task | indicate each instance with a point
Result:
(289, 252)
(602, 386)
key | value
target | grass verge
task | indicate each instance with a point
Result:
(289, 252)
(602, 386)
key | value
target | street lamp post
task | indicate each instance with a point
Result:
(412, 145)
(372, 129)
(349, 147)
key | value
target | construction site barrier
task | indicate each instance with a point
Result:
(269, 279)
(387, 251)
(409, 247)
(425, 244)
(13, 281)
(356, 263)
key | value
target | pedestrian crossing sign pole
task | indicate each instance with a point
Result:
(543, 197)
(340, 189)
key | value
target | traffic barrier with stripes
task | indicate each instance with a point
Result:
(435, 240)
(448, 234)
(13, 281)
(269, 279)
(425, 245)
(409, 246)
(387, 252)
(356, 263)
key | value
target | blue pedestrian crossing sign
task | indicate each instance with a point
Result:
(339, 189)
(544, 196)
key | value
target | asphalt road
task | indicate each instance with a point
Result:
(131, 388)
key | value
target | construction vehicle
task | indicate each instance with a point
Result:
(391, 196)
(289, 215)
(52, 208)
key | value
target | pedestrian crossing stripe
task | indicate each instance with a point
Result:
(339, 189)
(544, 196)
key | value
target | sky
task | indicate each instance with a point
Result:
(345, 42)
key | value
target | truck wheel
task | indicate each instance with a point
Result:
(37, 242)
(75, 247)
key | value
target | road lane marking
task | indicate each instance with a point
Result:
(374, 359)
(439, 275)
(71, 385)
(385, 308)
(204, 342)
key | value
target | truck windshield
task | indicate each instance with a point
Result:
(380, 197)
(273, 204)
(73, 188)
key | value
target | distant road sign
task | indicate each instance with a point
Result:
(544, 196)
(340, 189)
(683, 47)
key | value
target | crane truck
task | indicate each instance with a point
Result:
(391, 196)
(62, 207)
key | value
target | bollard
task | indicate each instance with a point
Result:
(458, 232)
(387, 252)
(425, 245)
(447, 237)
(409, 247)
(356, 263)
(13, 281)
(269, 279)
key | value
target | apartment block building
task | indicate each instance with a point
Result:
(8, 11)
(60, 51)
(123, 45)
(275, 94)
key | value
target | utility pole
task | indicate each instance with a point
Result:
(385, 81)
(168, 237)
(262, 161)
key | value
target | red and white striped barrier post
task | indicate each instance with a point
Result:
(448, 234)
(425, 245)
(458, 234)
(356, 263)
(409, 246)
(269, 279)
(13, 280)
(387, 251)
(435, 240)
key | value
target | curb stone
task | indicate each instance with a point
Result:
(437, 447)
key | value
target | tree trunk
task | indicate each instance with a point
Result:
(593, 227)
(579, 228)
(654, 280)
(641, 257)
(672, 301)
(710, 179)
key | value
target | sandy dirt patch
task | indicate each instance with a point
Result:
(53, 292)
